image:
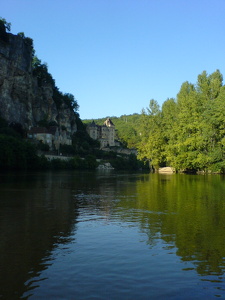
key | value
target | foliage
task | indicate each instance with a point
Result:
(18, 128)
(188, 132)
(83, 144)
(91, 162)
(13, 129)
(130, 163)
(40, 71)
(4, 27)
(67, 150)
(42, 146)
(16, 154)
(70, 101)
(52, 123)
(75, 163)
(6, 24)
(28, 41)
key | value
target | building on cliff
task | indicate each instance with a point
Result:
(105, 133)
(50, 136)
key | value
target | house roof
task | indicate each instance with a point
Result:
(92, 124)
(108, 122)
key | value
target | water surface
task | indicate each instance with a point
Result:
(96, 235)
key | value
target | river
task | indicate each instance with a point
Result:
(110, 235)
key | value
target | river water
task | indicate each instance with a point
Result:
(108, 235)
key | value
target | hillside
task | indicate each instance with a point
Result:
(127, 128)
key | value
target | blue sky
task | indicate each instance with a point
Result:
(116, 55)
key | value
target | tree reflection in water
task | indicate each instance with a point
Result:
(40, 212)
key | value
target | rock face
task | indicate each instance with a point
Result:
(21, 99)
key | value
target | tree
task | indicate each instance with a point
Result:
(40, 71)
(4, 27)
(70, 101)
(187, 143)
(6, 24)
(16, 154)
(151, 147)
(153, 108)
(208, 86)
(189, 133)
(28, 41)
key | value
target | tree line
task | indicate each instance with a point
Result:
(187, 133)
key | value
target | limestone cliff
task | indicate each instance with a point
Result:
(22, 100)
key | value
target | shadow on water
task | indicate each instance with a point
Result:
(37, 214)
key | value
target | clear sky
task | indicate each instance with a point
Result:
(116, 55)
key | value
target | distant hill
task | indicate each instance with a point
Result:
(127, 128)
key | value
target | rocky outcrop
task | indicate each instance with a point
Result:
(166, 170)
(105, 166)
(22, 100)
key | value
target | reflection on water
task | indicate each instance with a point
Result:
(71, 235)
(36, 215)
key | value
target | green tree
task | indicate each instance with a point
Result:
(16, 154)
(28, 41)
(4, 27)
(188, 133)
(91, 162)
(152, 145)
(40, 71)
(70, 101)
(188, 143)
(6, 24)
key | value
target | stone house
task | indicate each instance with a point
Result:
(105, 133)
(51, 136)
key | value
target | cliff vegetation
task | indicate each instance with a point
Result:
(28, 93)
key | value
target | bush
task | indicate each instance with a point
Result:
(67, 150)
(91, 162)
(43, 147)
(57, 164)
(17, 154)
(4, 26)
(43, 163)
(77, 163)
